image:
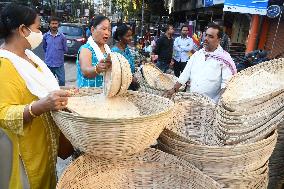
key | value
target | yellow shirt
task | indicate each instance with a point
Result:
(36, 143)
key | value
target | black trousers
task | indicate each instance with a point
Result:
(179, 67)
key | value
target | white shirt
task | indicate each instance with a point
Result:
(148, 49)
(182, 46)
(206, 77)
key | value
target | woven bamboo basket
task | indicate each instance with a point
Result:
(193, 118)
(276, 162)
(112, 77)
(248, 128)
(239, 166)
(114, 138)
(149, 169)
(230, 97)
(154, 81)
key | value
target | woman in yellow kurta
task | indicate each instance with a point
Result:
(28, 92)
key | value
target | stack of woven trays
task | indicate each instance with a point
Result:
(118, 78)
(233, 166)
(149, 169)
(152, 80)
(114, 138)
(253, 103)
(276, 162)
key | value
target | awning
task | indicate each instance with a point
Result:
(246, 6)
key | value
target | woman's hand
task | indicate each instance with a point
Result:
(56, 100)
(104, 64)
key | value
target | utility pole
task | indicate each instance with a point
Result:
(142, 20)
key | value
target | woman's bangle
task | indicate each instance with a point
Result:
(96, 70)
(30, 110)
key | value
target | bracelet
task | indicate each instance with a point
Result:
(96, 70)
(30, 110)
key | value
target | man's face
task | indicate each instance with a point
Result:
(171, 30)
(54, 25)
(184, 31)
(212, 40)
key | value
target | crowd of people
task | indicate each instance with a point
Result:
(30, 87)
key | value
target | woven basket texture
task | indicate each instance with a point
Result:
(249, 125)
(149, 169)
(230, 98)
(276, 162)
(239, 166)
(155, 82)
(114, 138)
(112, 77)
(233, 166)
(193, 118)
(126, 75)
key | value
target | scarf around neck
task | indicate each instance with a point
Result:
(39, 82)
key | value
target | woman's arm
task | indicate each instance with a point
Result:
(88, 70)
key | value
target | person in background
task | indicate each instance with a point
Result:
(93, 59)
(29, 91)
(147, 49)
(123, 36)
(225, 40)
(54, 46)
(183, 45)
(164, 49)
(209, 69)
(88, 32)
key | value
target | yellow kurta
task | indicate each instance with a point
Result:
(35, 143)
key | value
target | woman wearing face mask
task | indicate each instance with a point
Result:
(93, 59)
(123, 36)
(29, 91)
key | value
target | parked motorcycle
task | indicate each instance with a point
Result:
(253, 58)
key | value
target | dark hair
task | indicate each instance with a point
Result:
(14, 15)
(217, 27)
(167, 27)
(53, 18)
(183, 26)
(121, 31)
(97, 20)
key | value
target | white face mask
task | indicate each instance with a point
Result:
(34, 39)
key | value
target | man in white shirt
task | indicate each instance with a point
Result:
(183, 45)
(209, 69)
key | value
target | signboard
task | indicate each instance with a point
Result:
(246, 6)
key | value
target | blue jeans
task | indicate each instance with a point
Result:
(59, 73)
(164, 66)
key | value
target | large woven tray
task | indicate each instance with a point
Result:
(154, 81)
(275, 66)
(113, 138)
(193, 118)
(149, 169)
(239, 166)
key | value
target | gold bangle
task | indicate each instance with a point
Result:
(96, 70)
(30, 110)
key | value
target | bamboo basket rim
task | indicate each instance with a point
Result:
(270, 66)
(147, 156)
(126, 120)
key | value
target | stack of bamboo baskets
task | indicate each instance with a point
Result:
(114, 149)
(244, 132)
